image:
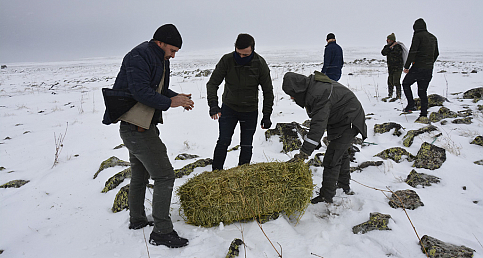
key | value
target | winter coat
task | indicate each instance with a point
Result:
(424, 48)
(329, 104)
(241, 84)
(333, 61)
(394, 57)
(140, 74)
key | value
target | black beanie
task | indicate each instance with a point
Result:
(169, 35)
(330, 36)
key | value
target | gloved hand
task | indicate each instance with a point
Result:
(214, 110)
(299, 157)
(266, 123)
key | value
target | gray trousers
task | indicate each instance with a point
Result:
(149, 158)
(337, 164)
(394, 80)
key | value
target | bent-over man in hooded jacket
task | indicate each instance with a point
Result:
(334, 107)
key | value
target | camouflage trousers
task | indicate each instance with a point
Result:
(394, 80)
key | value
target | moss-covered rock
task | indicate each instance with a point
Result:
(475, 93)
(386, 127)
(234, 249)
(234, 148)
(410, 200)
(317, 160)
(478, 140)
(479, 162)
(121, 200)
(409, 137)
(466, 121)
(377, 221)
(367, 164)
(288, 136)
(185, 156)
(116, 180)
(465, 113)
(480, 107)
(111, 162)
(186, 170)
(414, 179)
(442, 113)
(14, 184)
(438, 249)
(397, 154)
(430, 157)
(433, 101)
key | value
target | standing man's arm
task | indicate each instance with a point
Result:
(267, 88)
(212, 86)
(412, 53)
(327, 58)
(436, 51)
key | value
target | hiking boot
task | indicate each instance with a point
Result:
(423, 120)
(409, 109)
(142, 224)
(320, 198)
(171, 240)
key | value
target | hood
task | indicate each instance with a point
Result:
(419, 25)
(296, 86)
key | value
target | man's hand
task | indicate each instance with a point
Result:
(182, 100)
(215, 112)
(266, 123)
(299, 157)
(406, 70)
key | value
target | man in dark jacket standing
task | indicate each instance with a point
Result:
(422, 55)
(243, 71)
(334, 107)
(144, 74)
(333, 58)
(393, 51)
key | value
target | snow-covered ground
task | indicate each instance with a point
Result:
(61, 212)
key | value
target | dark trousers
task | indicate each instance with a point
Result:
(227, 123)
(149, 158)
(422, 77)
(337, 164)
(394, 80)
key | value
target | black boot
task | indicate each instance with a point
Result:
(171, 240)
(320, 198)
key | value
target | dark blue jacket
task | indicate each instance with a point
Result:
(333, 61)
(140, 74)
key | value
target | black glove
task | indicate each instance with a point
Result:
(266, 123)
(214, 110)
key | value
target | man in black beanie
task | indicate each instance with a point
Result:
(144, 77)
(243, 70)
(333, 58)
(419, 68)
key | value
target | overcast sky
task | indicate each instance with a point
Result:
(53, 30)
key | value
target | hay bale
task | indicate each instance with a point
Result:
(246, 192)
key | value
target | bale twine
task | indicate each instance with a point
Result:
(246, 192)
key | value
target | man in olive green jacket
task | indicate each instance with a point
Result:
(334, 107)
(243, 71)
(422, 55)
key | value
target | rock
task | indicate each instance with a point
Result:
(478, 140)
(111, 162)
(444, 122)
(475, 93)
(14, 184)
(466, 120)
(316, 161)
(119, 146)
(377, 221)
(121, 201)
(479, 162)
(410, 200)
(414, 179)
(368, 164)
(288, 136)
(442, 113)
(430, 157)
(116, 180)
(480, 107)
(234, 148)
(386, 127)
(397, 154)
(433, 100)
(234, 249)
(352, 152)
(186, 170)
(465, 113)
(436, 248)
(409, 137)
(185, 156)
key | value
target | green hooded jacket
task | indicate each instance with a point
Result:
(329, 104)
(424, 47)
(241, 84)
